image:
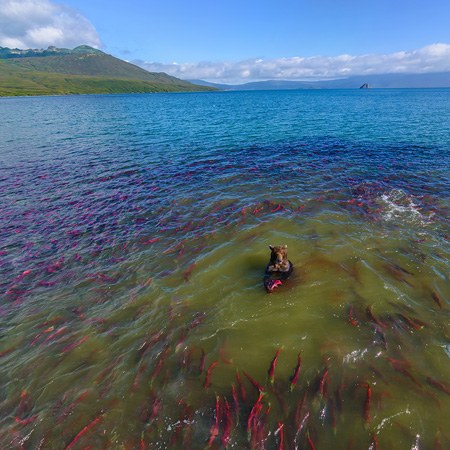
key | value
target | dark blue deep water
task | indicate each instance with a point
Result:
(134, 238)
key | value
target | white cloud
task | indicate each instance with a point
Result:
(41, 23)
(433, 58)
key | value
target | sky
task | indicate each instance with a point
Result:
(247, 40)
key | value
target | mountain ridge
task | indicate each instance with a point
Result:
(82, 70)
(428, 80)
(6, 53)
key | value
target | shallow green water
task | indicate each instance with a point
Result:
(135, 238)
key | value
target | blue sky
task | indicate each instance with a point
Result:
(243, 40)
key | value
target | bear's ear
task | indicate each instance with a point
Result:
(271, 247)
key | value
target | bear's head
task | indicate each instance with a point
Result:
(278, 256)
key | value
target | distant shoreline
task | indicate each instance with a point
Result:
(218, 91)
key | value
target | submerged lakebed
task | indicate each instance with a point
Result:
(135, 233)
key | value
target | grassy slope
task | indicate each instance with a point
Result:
(82, 74)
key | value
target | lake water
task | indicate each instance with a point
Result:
(134, 239)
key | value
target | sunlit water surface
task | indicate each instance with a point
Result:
(134, 239)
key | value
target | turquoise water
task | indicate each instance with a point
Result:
(135, 233)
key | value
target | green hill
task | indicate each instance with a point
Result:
(83, 70)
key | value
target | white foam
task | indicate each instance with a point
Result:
(416, 444)
(388, 420)
(397, 205)
(354, 356)
(447, 349)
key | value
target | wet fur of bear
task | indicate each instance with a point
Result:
(279, 267)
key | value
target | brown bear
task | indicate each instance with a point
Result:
(279, 267)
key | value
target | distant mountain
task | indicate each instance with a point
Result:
(83, 70)
(221, 86)
(425, 80)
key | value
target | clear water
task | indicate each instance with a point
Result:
(134, 239)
